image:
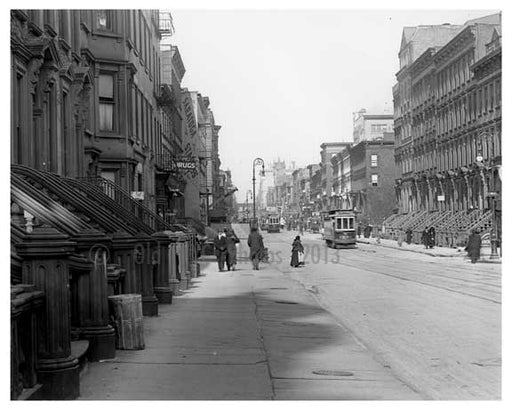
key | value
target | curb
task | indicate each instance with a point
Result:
(428, 253)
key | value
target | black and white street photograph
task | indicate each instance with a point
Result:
(270, 201)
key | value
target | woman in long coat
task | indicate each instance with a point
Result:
(231, 241)
(473, 246)
(296, 248)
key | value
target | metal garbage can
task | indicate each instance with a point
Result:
(126, 311)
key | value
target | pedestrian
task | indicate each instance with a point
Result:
(425, 237)
(220, 249)
(178, 273)
(473, 245)
(408, 236)
(431, 237)
(367, 231)
(297, 248)
(358, 231)
(198, 246)
(255, 242)
(231, 242)
(400, 237)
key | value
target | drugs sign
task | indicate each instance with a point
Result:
(188, 164)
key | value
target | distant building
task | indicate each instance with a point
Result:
(329, 149)
(368, 127)
(373, 177)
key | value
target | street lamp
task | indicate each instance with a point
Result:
(257, 161)
(247, 194)
(494, 231)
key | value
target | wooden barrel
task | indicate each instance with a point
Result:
(126, 310)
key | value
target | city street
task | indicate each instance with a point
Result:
(434, 321)
(369, 323)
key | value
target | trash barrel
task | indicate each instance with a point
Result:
(128, 322)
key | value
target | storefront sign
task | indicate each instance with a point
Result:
(185, 164)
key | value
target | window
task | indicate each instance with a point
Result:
(374, 160)
(377, 128)
(485, 99)
(498, 93)
(491, 96)
(375, 180)
(106, 94)
(104, 19)
(64, 25)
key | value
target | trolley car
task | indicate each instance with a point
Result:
(274, 223)
(340, 228)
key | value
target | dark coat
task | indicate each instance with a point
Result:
(231, 241)
(408, 236)
(474, 244)
(296, 248)
(255, 242)
(431, 236)
(425, 237)
(220, 245)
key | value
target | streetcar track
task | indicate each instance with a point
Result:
(454, 281)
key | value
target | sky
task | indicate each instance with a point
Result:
(282, 82)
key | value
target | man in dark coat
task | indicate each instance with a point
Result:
(220, 245)
(425, 237)
(255, 242)
(473, 246)
(408, 236)
(431, 237)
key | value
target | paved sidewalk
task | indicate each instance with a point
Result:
(436, 251)
(244, 335)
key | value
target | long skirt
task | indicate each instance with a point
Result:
(295, 259)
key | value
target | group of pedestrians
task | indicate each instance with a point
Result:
(226, 241)
(428, 237)
(225, 248)
(225, 244)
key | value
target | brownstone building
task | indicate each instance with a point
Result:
(448, 129)
(87, 129)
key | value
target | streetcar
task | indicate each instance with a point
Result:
(340, 228)
(273, 223)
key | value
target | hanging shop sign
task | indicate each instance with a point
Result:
(186, 164)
